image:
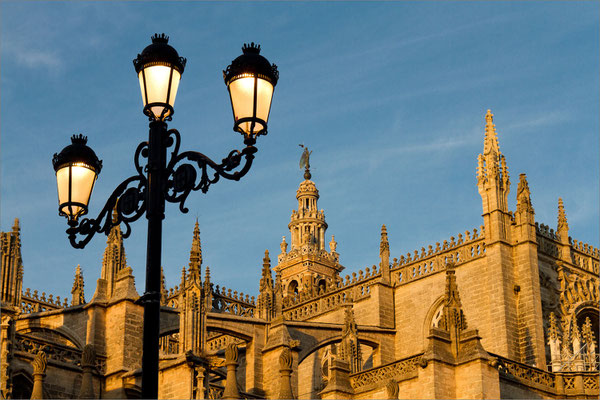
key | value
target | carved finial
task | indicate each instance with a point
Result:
(183, 277)
(77, 290)
(562, 217)
(305, 161)
(588, 333)
(384, 245)
(231, 353)
(285, 359)
(207, 276)
(195, 254)
(553, 330)
(332, 244)
(391, 389)
(266, 280)
(39, 363)
(16, 226)
(524, 196)
(452, 312)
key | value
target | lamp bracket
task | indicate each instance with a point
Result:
(185, 172)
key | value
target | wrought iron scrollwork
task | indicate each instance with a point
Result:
(126, 204)
(189, 171)
(184, 173)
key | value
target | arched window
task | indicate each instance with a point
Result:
(293, 288)
(322, 285)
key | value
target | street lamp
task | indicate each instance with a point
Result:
(250, 80)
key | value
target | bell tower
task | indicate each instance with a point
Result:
(307, 265)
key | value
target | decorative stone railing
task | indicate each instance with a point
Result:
(54, 351)
(169, 344)
(302, 307)
(399, 370)
(560, 383)
(221, 342)
(585, 260)
(430, 262)
(230, 302)
(583, 255)
(32, 302)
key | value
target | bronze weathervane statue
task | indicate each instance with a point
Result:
(305, 161)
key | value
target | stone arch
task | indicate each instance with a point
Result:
(334, 340)
(22, 384)
(310, 364)
(587, 309)
(432, 317)
(61, 331)
(292, 288)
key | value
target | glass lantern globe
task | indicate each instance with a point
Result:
(250, 80)
(159, 70)
(77, 168)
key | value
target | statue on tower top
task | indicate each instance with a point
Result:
(305, 161)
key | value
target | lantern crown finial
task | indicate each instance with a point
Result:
(162, 38)
(79, 139)
(251, 48)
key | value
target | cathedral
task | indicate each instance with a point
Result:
(506, 310)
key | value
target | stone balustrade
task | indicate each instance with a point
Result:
(33, 302)
(54, 351)
(429, 263)
(230, 302)
(561, 384)
(299, 308)
(399, 370)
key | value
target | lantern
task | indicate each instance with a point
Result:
(251, 80)
(77, 168)
(159, 70)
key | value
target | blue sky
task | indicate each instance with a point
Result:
(389, 96)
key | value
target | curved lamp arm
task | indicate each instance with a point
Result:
(184, 173)
(188, 171)
(128, 201)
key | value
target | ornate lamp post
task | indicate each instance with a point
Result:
(250, 80)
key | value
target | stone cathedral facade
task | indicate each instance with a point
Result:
(506, 310)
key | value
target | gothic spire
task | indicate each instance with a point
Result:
(384, 255)
(384, 245)
(207, 280)
(553, 329)
(562, 217)
(114, 259)
(77, 293)
(492, 170)
(490, 143)
(195, 255)
(453, 314)
(266, 281)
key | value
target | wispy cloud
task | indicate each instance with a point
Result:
(30, 57)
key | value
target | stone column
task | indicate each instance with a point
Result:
(88, 361)
(39, 372)
(231, 362)
(285, 377)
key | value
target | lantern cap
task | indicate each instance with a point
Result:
(77, 152)
(251, 62)
(159, 53)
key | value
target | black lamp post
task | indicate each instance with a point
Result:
(250, 80)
